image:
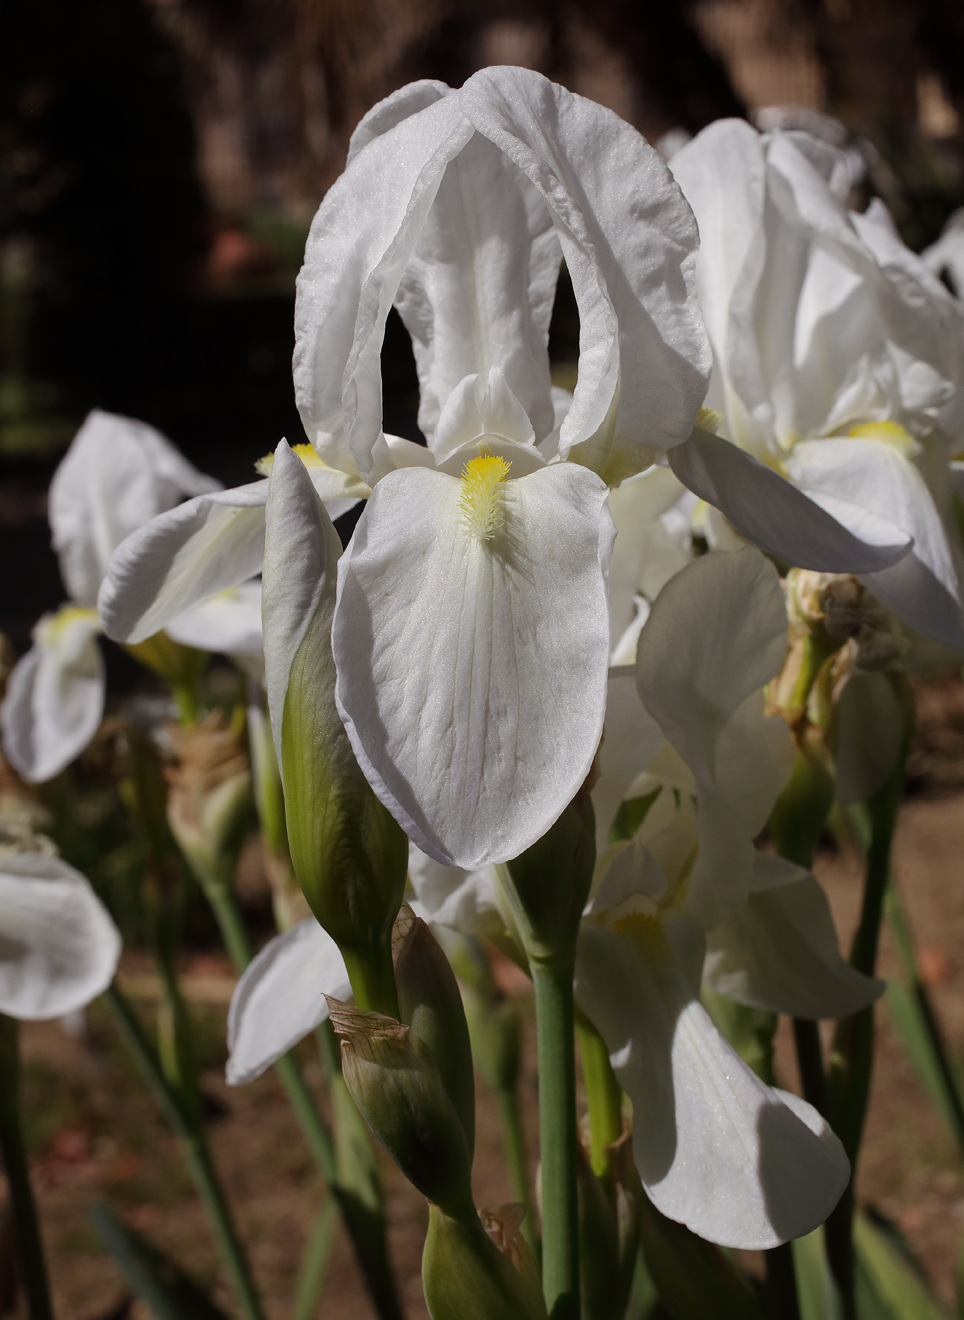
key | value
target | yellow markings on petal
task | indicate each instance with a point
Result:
(305, 452)
(481, 502)
(708, 419)
(51, 629)
(648, 934)
(889, 433)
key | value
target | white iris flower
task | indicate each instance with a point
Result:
(117, 475)
(838, 365)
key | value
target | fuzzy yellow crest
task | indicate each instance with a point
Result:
(481, 501)
(305, 452)
(890, 433)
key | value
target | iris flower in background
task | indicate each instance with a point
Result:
(686, 897)
(58, 945)
(117, 475)
(838, 360)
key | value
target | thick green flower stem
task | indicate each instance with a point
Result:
(604, 1096)
(195, 1153)
(372, 977)
(852, 1056)
(555, 1026)
(26, 1224)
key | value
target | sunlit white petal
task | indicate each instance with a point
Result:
(229, 622)
(281, 997)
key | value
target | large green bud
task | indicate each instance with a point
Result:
(349, 854)
(394, 1080)
(465, 1276)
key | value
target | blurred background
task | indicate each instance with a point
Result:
(160, 162)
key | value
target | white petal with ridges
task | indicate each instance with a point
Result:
(472, 673)
(180, 558)
(281, 997)
(629, 242)
(450, 896)
(58, 944)
(55, 696)
(736, 1161)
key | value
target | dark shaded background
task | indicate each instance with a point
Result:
(160, 162)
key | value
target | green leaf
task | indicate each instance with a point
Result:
(888, 1287)
(155, 1278)
(817, 1292)
(909, 1023)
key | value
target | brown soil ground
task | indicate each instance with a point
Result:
(94, 1132)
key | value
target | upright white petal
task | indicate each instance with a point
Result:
(777, 517)
(116, 476)
(58, 944)
(738, 1162)
(229, 622)
(55, 696)
(281, 997)
(472, 671)
(630, 242)
(180, 558)
(779, 951)
(466, 296)
(395, 107)
(360, 243)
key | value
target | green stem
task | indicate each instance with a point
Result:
(230, 923)
(603, 1095)
(314, 1263)
(372, 977)
(780, 1284)
(185, 698)
(195, 1153)
(555, 1028)
(26, 1224)
(905, 947)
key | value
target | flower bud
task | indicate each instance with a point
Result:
(430, 1003)
(395, 1082)
(350, 855)
(504, 1227)
(209, 802)
(466, 1277)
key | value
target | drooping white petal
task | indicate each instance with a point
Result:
(472, 671)
(281, 997)
(854, 478)
(478, 286)
(450, 896)
(779, 951)
(739, 1163)
(630, 739)
(300, 552)
(229, 623)
(58, 944)
(754, 760)
(630, 242)
(55, 696)
(782, 520)
(946, 256)
(180, 558)
(116, 476)
(360, 243)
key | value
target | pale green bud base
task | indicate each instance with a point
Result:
(466, 1277)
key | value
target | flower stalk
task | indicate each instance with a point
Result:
(26, 1224)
